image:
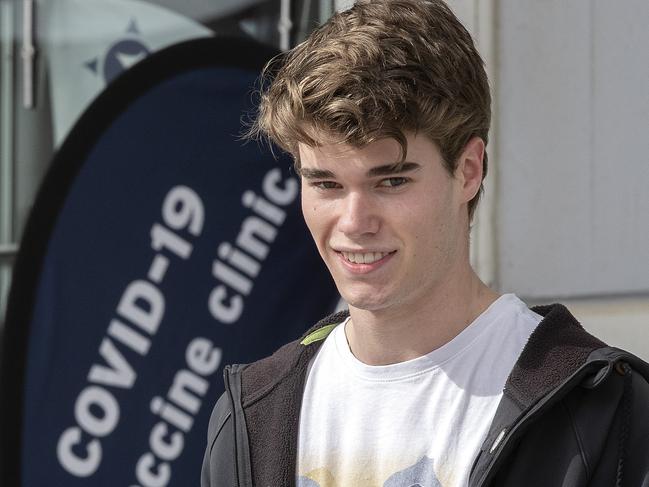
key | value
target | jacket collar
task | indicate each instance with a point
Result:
(260, 377)
(555, 350)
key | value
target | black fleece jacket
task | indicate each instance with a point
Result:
(574, 412)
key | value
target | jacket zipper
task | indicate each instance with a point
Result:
(233, 416)
(232, 379)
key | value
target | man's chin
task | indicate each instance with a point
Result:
(367, 296)
(365, 303)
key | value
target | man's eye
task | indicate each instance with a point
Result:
(325, 184)
(393, 182)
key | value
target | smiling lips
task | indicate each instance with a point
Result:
(363, 258)
(364, 261)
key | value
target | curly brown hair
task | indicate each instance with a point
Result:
(378, 70)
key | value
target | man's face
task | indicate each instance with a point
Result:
(390, 237)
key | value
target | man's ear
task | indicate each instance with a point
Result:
(470, 168)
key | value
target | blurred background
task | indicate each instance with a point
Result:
(565, 213)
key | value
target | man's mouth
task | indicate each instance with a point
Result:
(364, 257)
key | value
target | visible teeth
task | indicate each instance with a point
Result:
(365, 258)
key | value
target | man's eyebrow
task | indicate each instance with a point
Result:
(384, 170)
(312, 173)
(390, 169)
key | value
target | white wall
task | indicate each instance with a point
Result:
(567, 213)
(573, 80)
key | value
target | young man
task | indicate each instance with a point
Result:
(431, 378)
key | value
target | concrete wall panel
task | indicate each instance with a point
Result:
(573, 165)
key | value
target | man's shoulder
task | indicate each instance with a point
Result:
(601, 389)
(260, 376)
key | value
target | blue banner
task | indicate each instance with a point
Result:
(160, 248)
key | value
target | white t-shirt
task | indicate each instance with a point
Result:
(415, 423)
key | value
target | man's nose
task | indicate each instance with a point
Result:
(358, 215)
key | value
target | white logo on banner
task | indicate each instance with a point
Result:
(90, 42)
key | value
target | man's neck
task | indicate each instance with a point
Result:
(393, 336)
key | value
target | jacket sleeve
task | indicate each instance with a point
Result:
(219, 462)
